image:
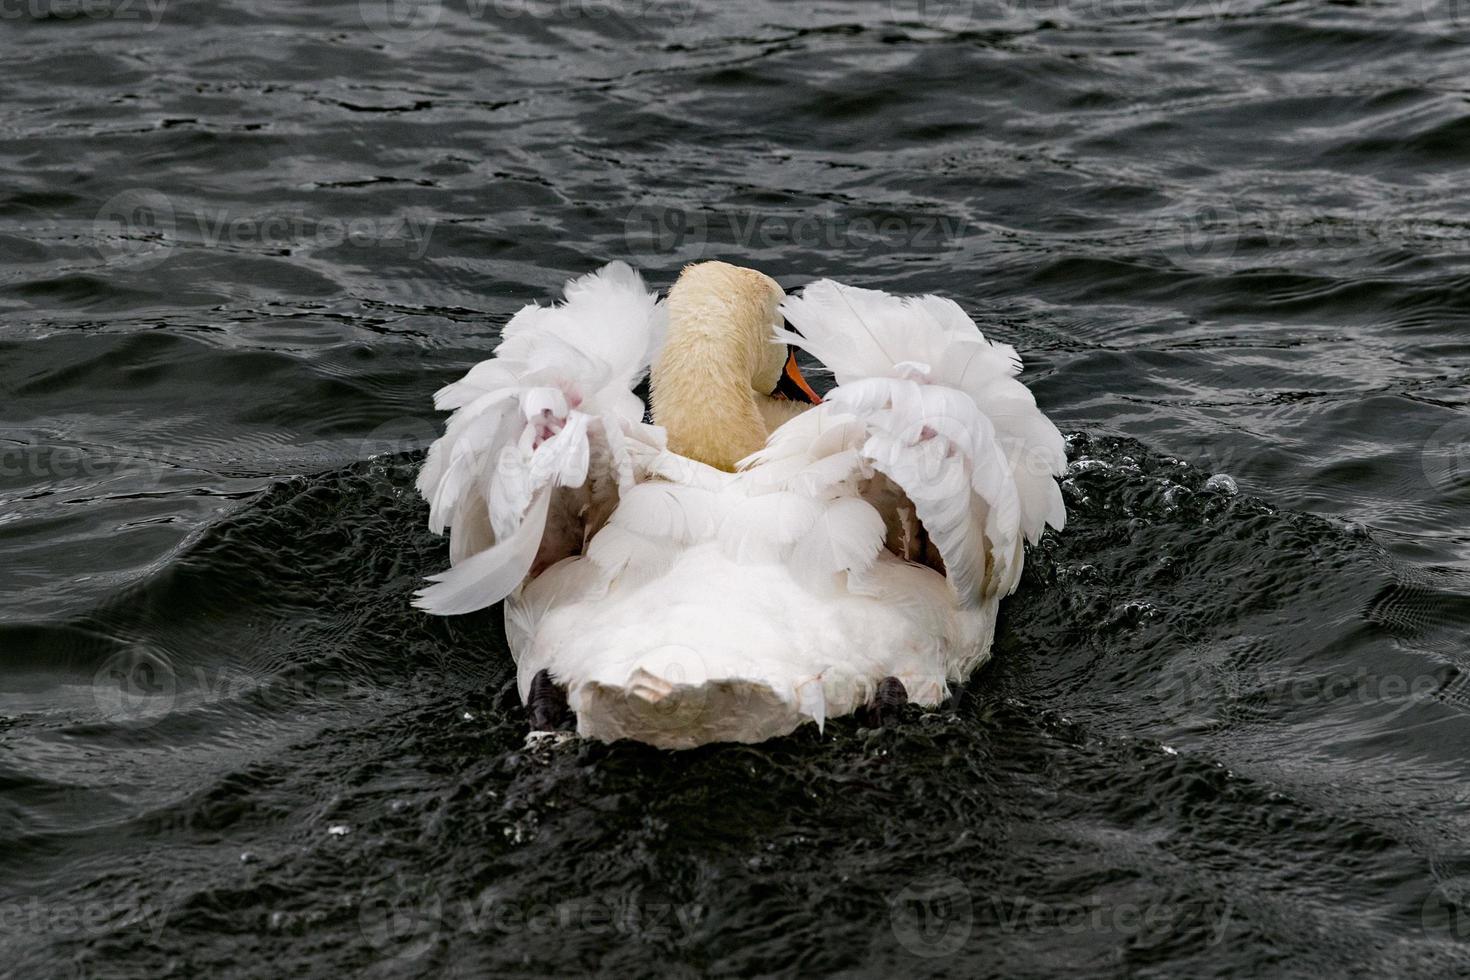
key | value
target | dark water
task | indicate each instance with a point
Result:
(242, 243)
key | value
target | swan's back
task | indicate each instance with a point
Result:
(868, 541)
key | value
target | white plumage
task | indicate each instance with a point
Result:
(871, 536)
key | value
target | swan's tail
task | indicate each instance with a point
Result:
(677, 698)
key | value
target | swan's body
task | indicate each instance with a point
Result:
(749, 563)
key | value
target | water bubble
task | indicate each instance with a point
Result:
(1133, 612)
(1176, 495)
(1223, 484)
(1074, 494)
(1080, 466)
(1077, 573)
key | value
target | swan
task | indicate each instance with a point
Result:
(756, 557)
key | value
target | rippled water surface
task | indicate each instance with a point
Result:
(1224, 733)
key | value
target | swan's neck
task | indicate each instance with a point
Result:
(701, 386)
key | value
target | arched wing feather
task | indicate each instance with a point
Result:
(927, 402)
(544, 437)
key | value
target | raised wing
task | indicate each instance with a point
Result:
(545, 436)
(929, 425)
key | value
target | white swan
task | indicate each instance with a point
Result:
(749, 562)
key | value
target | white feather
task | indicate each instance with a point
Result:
(946, 421)
(528, 427)
(846, 537)
(496, 571)
(679, 513)
(762, 528)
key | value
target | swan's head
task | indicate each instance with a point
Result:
(721, 362)
(737, 307)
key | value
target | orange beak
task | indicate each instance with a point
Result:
(792, 385)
